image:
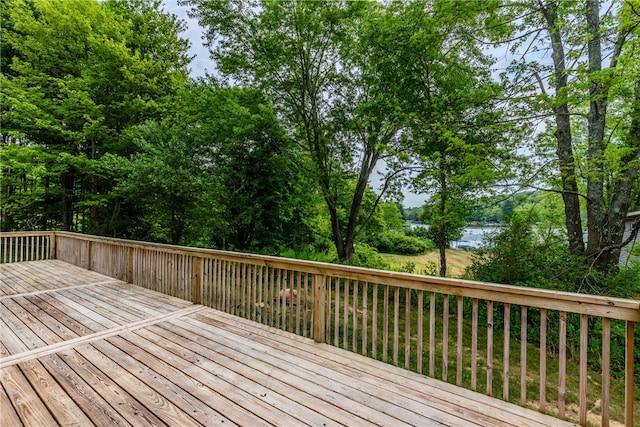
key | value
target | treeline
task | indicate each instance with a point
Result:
(103, 131)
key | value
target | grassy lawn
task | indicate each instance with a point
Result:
(457, 261)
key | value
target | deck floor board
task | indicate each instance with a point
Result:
(81, 348)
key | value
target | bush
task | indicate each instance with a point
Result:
(404, 245)
(368, 257)
(516, 256)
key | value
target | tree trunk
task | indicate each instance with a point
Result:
(68, 182)
(442, 240)
(573, 221)
(344, 254)
(607, 254)
(596, 221)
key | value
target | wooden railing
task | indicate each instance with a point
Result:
(528, 346)
(31, 246)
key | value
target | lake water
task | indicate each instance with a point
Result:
(472, 237)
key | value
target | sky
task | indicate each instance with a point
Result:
(202, 63)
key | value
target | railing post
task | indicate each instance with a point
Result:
(52, 247)
(89, 254)
(319, 307)
(130, 265)
(197, 281)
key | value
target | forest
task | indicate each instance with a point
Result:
(319, 115)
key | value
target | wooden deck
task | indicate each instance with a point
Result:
(80, 348)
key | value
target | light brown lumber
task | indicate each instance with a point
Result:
(10, 342)
(110, 308)
(31, 410)
(427, 405)
(288, 373)
(63, 408)
(8, 415)
(408, 378)
(141, 302)
(606, 370)
(269, 388)
(351, 387)
(150, 297)
(91, 403)
(39, 352)
(266, 403)
(29, 339)
(44, 291)
(63, 317)
(79, 310)
(165, 382)
(33, 323)
(54, 323)
(127, 310)
(115, 396)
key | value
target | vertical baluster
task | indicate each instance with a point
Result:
(489, 348)
(354, 335)
(474, 344)
(272, 296)
(432, 335)
(606, 370)
(629, 374)
(543, 360)
(345, 317)
(407, 329)
(336, 316)
(584, 337)
(523, 355)
(562, 384)
(328, 316)
(419, 340)
(459, 344)
(365, 314)
(396, 323)
(299, 302)
(385, 325)
(260, 303)
(374, 323)
(505, 352)
(306, 298)
(445, 338)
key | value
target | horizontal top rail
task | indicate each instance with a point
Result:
(614, 308)
(27, 233)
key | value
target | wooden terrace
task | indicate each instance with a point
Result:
(99, 346)
(80, 348)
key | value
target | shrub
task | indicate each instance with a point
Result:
(404, 245)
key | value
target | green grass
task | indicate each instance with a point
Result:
(457, 262)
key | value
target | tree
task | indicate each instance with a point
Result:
(78, 74)
(306, 56)
(442, 77)
(592, 84)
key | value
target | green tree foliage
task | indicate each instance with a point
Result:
(309, 58)
(219, 173)
(589, 92)
(442, 77)
(75, 74)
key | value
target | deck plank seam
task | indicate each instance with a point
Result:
(69, 344)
